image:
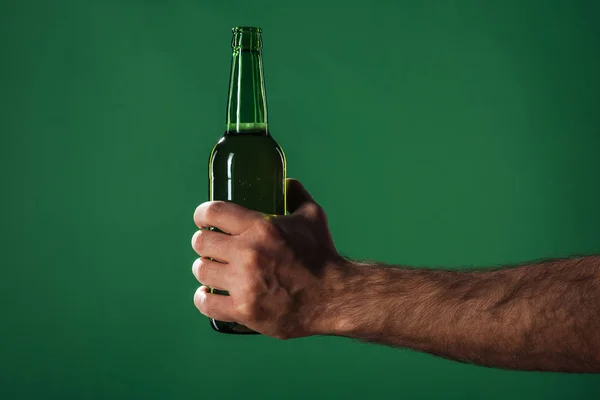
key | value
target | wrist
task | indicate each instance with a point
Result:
(341, 299)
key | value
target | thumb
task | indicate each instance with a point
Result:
(297, 196)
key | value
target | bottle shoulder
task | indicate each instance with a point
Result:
(247, 147)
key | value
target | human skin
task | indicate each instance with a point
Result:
(286, 280)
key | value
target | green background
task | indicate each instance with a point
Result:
(434, 133)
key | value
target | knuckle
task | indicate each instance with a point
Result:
(195, 267)
(201, 306)
(315, 211)
(198, 210)
(199, 214)
(267, 229)
(213, 209)
(249, 310)
(252, 288)
(201, 270)
(321, 213)
(198, 239)
(252, 259)
(199, 300)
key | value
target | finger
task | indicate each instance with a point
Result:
(226, 216)
(214, 306)
(211, 273)
(296, 194)
(212, 244)
(299, 201)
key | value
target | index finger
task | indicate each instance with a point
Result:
(228, 217)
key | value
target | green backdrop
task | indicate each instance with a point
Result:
(434, 133)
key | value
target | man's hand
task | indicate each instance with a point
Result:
(278, 270)
(286, 280)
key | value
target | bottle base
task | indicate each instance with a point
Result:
(228, 327)
(231, 328)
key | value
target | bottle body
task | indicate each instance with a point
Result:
(247, 166)
(248, 170)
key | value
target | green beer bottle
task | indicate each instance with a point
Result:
(247, 166)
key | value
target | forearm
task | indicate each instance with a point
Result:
(543, 316)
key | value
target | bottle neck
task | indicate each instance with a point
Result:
(247, 105)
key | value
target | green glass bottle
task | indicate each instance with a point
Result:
(247, 166)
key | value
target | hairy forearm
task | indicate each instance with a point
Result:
(544, 316)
